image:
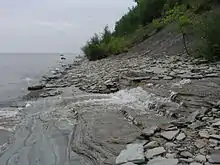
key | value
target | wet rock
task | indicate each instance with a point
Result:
(214, 157)
(149, 131)
(36, 87)
(186, 154)
(154, 152)
(163, 161)
(204, 134)
(170, 135)
(200, 158)
(200, 143)
(133, 153)
(151, 145)
(181, 136)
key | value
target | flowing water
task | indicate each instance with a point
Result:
(76, 128)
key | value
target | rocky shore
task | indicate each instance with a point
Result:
(185, 98)
(143, 107)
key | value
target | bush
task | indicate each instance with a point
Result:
(207, 31)
(158, 24)
(117, 45)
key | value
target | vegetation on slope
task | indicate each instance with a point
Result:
(149, 16)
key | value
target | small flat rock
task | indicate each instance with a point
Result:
(193, 116)
(186, 154)
(151, 145)
(217, 124)
(150, 131)
(167, 78)
(181, 136)
(163, 161)
(170, 135)
(169, 145)
(200, 158)
(188, 160)
(204, 134)
(217, 137)
(200, 143)
(173, 155)
(133, 153)
(154, 152)
(195, 163)
(214, 157)
(168, 127)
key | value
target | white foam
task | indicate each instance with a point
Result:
(8, 114)
(181, 83)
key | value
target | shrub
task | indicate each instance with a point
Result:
(117, 45)
(158, 24)
(207, 32)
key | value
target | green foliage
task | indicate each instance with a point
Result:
(158, 24)
(207, 31)
(148, 17)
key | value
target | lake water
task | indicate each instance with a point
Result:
(17, 71)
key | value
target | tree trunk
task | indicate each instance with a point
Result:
(184, 43)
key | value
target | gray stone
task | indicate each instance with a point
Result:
(150, 131)
(181, 136)
(151, 145)
(173, 155)
(167, 78)
(204, 134)
(186, 154)
(170, 135)
(200, 158)
(217, 124)
(133, 153)
(188, 160)
(163, 161)
(193, 116)
(214, 157)
(154, 152)
(200, 143)
(217, 137)
(195, 163)
(169, 145)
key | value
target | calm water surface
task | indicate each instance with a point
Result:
(17, 71)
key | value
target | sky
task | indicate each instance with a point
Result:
(55, 25)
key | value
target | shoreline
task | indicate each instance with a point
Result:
(119, 100)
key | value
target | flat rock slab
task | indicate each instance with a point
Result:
(154, 152)
(170, 135)
(214, 157)
(129, 163)
(163, 161)
(181, 136)
(134, 153)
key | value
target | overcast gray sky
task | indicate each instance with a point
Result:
(55, 25)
